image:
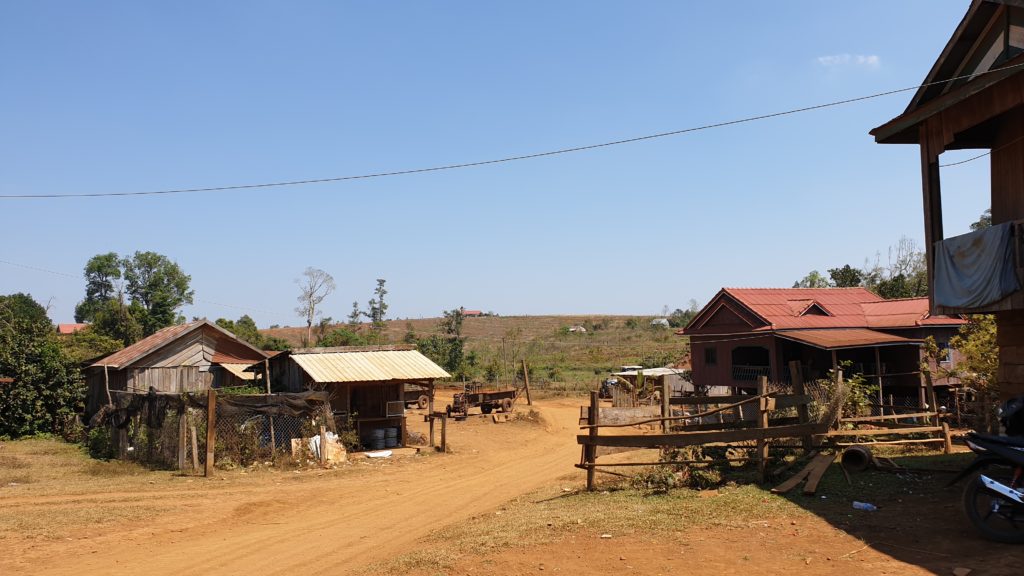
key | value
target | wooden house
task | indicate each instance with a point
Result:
(973, 98)
(366, 383)
(744, 333)
(187, 357)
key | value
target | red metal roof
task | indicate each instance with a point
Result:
(797, 308)
(70, 328)
(845, 338)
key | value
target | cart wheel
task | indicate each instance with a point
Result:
(422, 402)
(486, 408)
(506, 405)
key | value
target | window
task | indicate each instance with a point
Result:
(710, 356)
(945, 355)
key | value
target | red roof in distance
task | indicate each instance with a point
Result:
(70, 328)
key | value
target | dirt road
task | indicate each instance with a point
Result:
(334, 524)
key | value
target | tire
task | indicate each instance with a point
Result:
(422, 402)
(506, 405)
(978, 501)
(486, 408)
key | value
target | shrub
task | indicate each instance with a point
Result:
(99, 443)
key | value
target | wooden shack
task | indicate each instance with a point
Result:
(973, 98)
(187, 357)
(366, 383)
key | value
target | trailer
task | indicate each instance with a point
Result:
(416, 396)
(488, 401)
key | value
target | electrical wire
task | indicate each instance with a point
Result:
(509, 158)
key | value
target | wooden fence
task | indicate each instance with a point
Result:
(696, 429)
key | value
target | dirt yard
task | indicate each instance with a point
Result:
(505, 501)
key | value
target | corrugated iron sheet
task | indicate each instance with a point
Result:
(239, 370)
(380, 366)
(844, 338)
(146, 345)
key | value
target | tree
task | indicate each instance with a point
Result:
(984, 221)
(446, 348)
(159, 286)
(378, 308)
(24, 307)
(88, 344)
(354, 315)
(341, 337)
(905, 276)
(313, 288)
(47, 389)
(102, 284)
(244, 328)
(680, 318)
(976, 342)
(813, 280)
(846, 277)
(118, 321)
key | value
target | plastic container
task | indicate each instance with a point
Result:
(866, 506)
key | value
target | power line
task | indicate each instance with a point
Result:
(509, 158)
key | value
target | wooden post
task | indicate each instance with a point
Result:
(594, 419)
(932, 192)
(930, 391)
(195, 449)
(444, 433)
(432, 417)
(762, 422)
(211, 429)
(839, 385)
(182, 438)
(797, 377)
(666, 409)
(430, 400)
(323, 445)
(947, 438)
(106, 384)
(526, 383)
(878, 374)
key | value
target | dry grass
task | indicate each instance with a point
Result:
(550, 515)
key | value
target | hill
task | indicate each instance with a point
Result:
(560, 361)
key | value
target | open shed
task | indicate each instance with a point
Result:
(366, 383)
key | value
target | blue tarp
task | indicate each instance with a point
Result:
(976, 269)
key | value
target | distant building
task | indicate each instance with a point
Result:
(472, 313)
(70, 328)
(660, 322)
(578, 328)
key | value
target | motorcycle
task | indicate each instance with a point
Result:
(994, 496)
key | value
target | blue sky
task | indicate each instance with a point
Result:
(134, 96)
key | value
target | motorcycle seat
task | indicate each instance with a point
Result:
(1005, 440)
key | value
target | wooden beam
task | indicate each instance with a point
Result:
(590, 454)
(211, 429)
(762, 422)
(932, 193)
(884, 431)
(526, 383)
(888, 417)
(697, 438)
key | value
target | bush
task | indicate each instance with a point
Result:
(656, 480)
(99, 443)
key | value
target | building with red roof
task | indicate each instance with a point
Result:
(744, 333)
(66, 329)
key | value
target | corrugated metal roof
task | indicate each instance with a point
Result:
(380, 366)
(165, 336)
(844, 338)
(239, 370)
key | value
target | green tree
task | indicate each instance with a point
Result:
(814, 279)
(23, 306)
(905, 275)
(88, 344)
(377, 307)
(159, 285)
(245, 328)
(976, 343)
(118, 321)
(47, 391)
(680, 318)
(103, 274)
(984, 221)
(341, 337)
(846, 277)
(447, 348)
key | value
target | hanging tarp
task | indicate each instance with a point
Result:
(976, 269)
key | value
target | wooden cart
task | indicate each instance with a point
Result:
(488, 401)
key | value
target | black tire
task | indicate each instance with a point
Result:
(507, 405)
(422, 402)
(1005, 525)
(486, 408)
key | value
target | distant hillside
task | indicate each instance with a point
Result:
(560, 362)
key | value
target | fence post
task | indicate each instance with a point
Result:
(444, 433)
(930, 390)
(211, 429)
(526, 382)
(762, 422)
(947, 439)
(666, 408)
(182, 438)
(195, 449)
(431, 418)
(839, 385)
(323, 445)
(594, 418)
(797, 376)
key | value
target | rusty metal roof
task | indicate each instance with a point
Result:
(378, 366)
(845, 338)
(161, 338)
